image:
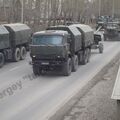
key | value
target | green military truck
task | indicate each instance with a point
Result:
(14, 41)
(59, 48)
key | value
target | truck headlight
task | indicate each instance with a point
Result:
(33, 56)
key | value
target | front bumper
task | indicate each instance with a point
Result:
(49, 64)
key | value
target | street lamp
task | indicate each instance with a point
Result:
(99, 7)
(22, 11)
(113, 9)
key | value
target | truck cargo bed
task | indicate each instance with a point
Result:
(87, 34)
(19, 33)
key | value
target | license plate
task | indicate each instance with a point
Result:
(45, 63)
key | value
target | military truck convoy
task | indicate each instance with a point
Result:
(14, 41)
(61, 48)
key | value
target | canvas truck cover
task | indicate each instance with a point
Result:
(19, 33)
(87, 33)
(4, 38)
(76, 43)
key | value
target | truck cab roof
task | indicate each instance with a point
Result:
(70, 29)
(83, 27)
(17, 27)
(51, 32)
(3, 30)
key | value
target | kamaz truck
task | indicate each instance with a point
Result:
(60, 48)
(14, 42)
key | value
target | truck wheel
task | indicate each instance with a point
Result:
(85, 57)
(23, 53)
(17, 55)
(2, 60)
(100, 48)
(36, 70)
(68, 67)
(75, 63)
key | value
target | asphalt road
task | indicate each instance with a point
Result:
(26, 97)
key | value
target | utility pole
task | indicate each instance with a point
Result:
(22, 11)
(4, 9)
(113, 8)
(99, 7)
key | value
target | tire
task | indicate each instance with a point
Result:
(80, 58)
(85, 57)
(16, 56)
(75, 63)
(67, 69)
(36, 70)
(23, 53)
(2, 60)
(100, 48)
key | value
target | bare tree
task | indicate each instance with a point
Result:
(42, 13)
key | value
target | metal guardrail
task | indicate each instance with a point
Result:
(116, 89)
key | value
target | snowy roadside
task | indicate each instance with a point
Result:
(97, 103)
(94, 101)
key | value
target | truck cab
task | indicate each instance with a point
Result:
(49, 50)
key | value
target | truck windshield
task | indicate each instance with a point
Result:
(47, 39)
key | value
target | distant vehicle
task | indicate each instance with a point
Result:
(14, 41)
(111, 27)
(98, 41)
(111, 31)
(71, 23)
(60, 48)
(101, 21)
